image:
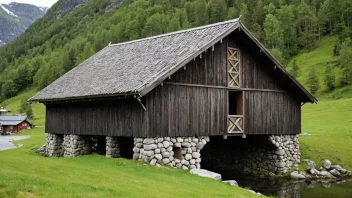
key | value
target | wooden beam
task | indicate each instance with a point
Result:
(222, 87)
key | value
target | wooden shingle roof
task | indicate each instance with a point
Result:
(135, 67)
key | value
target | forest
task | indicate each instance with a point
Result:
(56, 43)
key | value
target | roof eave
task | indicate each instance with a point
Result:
(86, 98)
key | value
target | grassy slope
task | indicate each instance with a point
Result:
(24, 173)
(329, 121)
(317, 58)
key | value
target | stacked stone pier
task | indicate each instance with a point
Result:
(180, 152)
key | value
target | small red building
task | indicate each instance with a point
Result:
(14, 124)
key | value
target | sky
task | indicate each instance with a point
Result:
(43, 3)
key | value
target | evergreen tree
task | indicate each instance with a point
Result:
(346, 62)
(9, 89)
(312, 80)
(295, 69)
(329, 77)
(26, 107)
(217, 10)
(278, 55)
(273, 31)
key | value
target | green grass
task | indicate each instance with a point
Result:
(317, 58)
(330, 123)
(24, 173)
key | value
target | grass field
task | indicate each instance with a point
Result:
(330, 123)
(24, 173)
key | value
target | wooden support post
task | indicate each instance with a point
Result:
(140, 102)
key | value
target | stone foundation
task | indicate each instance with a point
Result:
(275, 154)
(53, 146)
(180, 152)
(75, 145)
(112, 147)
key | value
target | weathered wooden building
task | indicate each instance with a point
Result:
(214, 80)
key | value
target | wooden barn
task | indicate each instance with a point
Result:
(14, 124)
(214, 80)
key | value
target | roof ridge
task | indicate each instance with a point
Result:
(177, 32)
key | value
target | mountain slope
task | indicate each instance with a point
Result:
(15, 18)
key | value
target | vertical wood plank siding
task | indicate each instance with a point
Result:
(171, 111)
(186, 111)
(271, 113)
(210, 69)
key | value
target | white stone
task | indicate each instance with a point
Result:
(195, 140)
(173, 140)
(188, 156)
(169, 148)
(178, 165)
(177, 161)
(177, 145)
(186, 144)
(160, 140)
(199, 160)
(149, 153)
(166, 154)
(192, 161)
(206, 173)
(179, 140)
(196, 155)
(148, 141)
(296, 175)
(231, 182)
(198, 165)
(200, 145)
(166, 144)
(153, 162)
(158, 156)
(334, 172)
(149, 147)
(185, 167)
(166, 160)
(156, 151)
(160, 145)
(314, 171)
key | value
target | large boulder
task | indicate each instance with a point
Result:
(326, 164)
(206, 173)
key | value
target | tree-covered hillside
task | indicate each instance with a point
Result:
(64, 38)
